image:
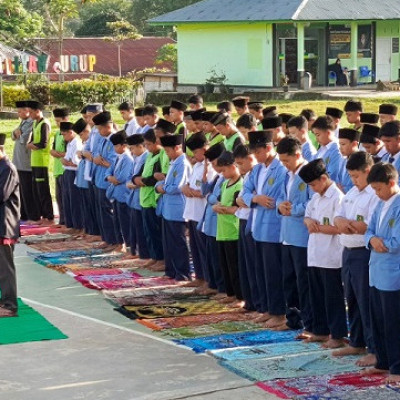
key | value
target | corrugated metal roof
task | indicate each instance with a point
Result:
(281, 10)
(9, 52)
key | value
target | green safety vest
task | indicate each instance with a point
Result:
(230, 141)
(164, 161)
(189, 152)
(41, 157)
(313, 139)
(178, 127)
(216, 139)
(59, 145)
(227, 224)
(147, 194)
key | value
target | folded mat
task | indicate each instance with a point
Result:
(29, 326)
(200, 345)
(37, 241)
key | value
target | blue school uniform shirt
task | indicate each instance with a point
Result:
(344, 180)
(92, 145)
(308, 151)
(396, 162)
(173, 201)
(106, 150)
(384, 268)
(293, 230)
(208, 225)
(332, 159)
(266, 225)
(134, 195)
(80, 180)
(122, 169)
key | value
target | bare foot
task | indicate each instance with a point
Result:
(228, 300)
(367, 361)
(393, 379)
(209, 291)
(281, 328)
(275, 321)
(101, 245)
(158, 267)
(130, 257)
(316, 338)
(333, 343)
(374, 371)
(263, 317)
(349, 351)
(303, 335)
(219, 296)
(149, 263)
(237, 304)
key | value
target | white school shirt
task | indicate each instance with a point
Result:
(260, 184)
(243, 212)
(195, 206)
(324, 251)
(87, 174)
(131, 127)
(386, 206)
(357, 206)
(73, 147)
(396, 157)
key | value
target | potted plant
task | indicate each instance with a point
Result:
(285, 82)
(215, 79)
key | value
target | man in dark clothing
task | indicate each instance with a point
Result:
(9, 232)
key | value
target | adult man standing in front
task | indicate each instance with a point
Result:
(9, 232)
(22, 161)
(40, 157)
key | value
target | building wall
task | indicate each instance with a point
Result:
(243, 52)
(390, 29)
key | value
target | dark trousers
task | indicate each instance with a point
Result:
(137, 237)
(216, 279)
(296, 288)
(385, 323)
(41, 191)
(355, 275)
(29, 206)
(88, 222)
(59, 198)
(270, 277)
(327, 302)
(176, 253)
(153, 233)
(8, 283)
(94, 214)
(197, 240)
(71, 201)
(228, 261)
(121, 220)
(247, 270)
(105, 209)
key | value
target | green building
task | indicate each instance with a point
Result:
(257, 43)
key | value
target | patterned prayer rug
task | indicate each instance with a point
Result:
(60, 245)
(95, 281)
(167, 290)
(97, 271)
(212, 329)
(38, 230)
(157, 324)
(160, 299)
(265, 351)
(200, 345)
(139, 283)
(174, 309)
(297, 365)
(326, 386)
(41, 240)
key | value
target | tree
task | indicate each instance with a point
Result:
(168, 54)
(96, 25)
(121, 30)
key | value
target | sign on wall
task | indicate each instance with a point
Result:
(339, 41)
(365, 39)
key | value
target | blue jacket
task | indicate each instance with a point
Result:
(293, 230)
(92, 145)
(308, 151)
(267, 224)
(173, 201)
(384, 268)
(123, 172)
(80, 180)
(134, 195)
(396, 164)
(345, 181)
(106, 150)
(332, 159)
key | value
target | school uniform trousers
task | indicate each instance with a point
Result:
(197, 240)
(121, 214)
(247, 270)
(59, 198)
(89, 222)
(105, 214)
(327, 302)
(228, 261)
(296, 288)
(137, 237)
(385, 323)
(355, 275)
(270, 278)
(72, 201)
(214, 278)
(29, 207)
(8, 284)
(93, 210)
(41, 190)
(153, 233)
(176, 253)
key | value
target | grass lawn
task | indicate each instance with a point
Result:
(294, 107)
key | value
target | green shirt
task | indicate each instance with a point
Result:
(147, 194)
(188, 152)
(218, 138)
(59, 145)
(179, 127)
(230, 142)
(313, 139)
(40, 157)
(164, 161)
(227, 224)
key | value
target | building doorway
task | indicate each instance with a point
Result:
(383, 59)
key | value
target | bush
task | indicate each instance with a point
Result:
(13, 93)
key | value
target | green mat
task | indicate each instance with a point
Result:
(29, 326)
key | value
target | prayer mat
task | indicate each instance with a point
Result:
(62, 245)
(93, 281)
(142, 283)
(200, 345)
(327, 385)
(40, 230)
(97, 271)
(29, 326)
(264, 351)
(174, 309)
(212, 329)
(167, 290)
(41, 240)
(158, 324)
(297, 365)
(159, 299)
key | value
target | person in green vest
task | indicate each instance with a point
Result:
(195, 102)
(228, 227)
(256, 109)
(190, 130)
(176, 112)
(212, 135)
(224, 124)
(247, 123)
(163, 127)
(310, 116)
(40, 158)
(148, 200)
(58, 153)
(225, 106)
